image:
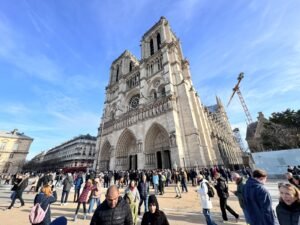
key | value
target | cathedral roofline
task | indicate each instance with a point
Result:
(126, 52)
(161, 20)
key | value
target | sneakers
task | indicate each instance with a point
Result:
(176, 196)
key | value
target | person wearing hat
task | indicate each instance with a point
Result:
(205, 199)
(154, 216)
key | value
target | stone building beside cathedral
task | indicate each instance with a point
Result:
(153, 117)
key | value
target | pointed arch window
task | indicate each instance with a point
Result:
(130, 66)
(163, 92)
(158, 41)
(151, 47)
(117, 74)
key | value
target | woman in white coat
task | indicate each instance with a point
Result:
(205, 200)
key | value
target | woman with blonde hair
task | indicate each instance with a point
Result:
(46, 197)
(288, 209)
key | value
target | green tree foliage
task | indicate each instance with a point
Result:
(287, 118)
(282, 131)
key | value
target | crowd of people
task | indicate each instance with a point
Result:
(254, 199)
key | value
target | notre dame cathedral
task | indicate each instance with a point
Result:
(153, 117)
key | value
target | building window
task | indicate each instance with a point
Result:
(158, 41)
(134, 102)
(163, 92)
(2, 145)
(151, 47)
(154, 95)
(130, 66)
(117, 74)
(11, 155)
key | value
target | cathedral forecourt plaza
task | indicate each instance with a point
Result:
(153, 117)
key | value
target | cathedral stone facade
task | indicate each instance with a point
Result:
(153, 117)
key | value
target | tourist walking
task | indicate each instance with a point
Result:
(288, 209)
(154, 216)
(205, 200)
(84, 197)
(257, 200)
(19, 186)
(77, 186)
(96, 195)
(240, 182)
(113, 208)
(222, 190)
(143, 188)
(177, 181)
(155, 182)
(133, 198)
(67, 185)
(46, 197)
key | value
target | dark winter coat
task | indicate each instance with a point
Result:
(258, 203)
(120, 215)
(44, 202)
(239, 191)
(288, 214)
(67, 183)
(143, 189)
(156, 218)
(222, 188)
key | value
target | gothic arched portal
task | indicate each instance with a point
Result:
(157, 147)
(126, 157)
(105, 156)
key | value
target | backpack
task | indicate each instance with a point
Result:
(37, 214)
(210, 190)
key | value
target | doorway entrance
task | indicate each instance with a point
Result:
(133, 162)
(159, 160)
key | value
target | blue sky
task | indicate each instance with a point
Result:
(55, 57)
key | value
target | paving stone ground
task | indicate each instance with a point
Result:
(184, 211)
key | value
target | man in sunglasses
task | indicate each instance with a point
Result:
(114, 210)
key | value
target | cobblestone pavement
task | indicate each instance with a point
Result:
(184, 211)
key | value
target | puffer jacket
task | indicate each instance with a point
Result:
(288, 214)
(120, 215)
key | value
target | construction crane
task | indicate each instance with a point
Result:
(236, 89)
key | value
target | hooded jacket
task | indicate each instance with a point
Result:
(156, 218)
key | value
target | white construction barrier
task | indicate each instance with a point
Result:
(276, 162)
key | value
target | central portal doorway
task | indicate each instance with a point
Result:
(159, 160)
(133, 162)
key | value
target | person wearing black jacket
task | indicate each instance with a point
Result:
(154, 216)
(143, 188)
(113, 210)
(288, 209)
(19, 186)
(222, 190)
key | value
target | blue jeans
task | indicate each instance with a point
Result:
(145, 200)
(156, 189)
(92, 202)
(209, 221)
